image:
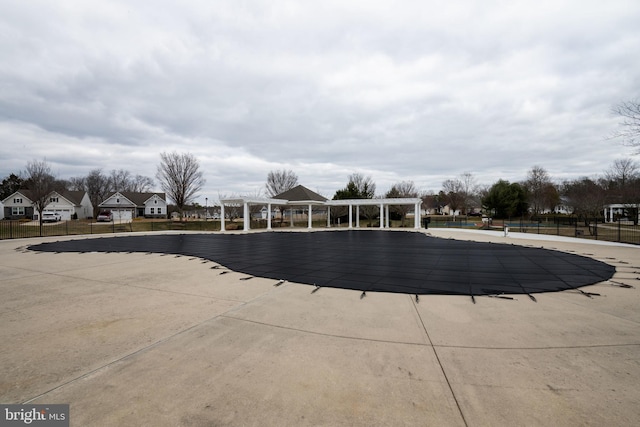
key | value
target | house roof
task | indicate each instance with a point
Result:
(300, 194)
(74, 197)
(136, 198)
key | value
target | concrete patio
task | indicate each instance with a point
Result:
(137, 339)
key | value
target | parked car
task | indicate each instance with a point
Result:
(104, 216)
(50, 217)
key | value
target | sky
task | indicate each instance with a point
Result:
(420, 91)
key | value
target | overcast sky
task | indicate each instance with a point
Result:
(398, 90)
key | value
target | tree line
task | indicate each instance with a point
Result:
(538, 194)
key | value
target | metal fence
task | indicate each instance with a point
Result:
(594, 228)
(590, 228)
(24, 229)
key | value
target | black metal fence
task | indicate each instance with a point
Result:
(583, 228)
(24, 229)
(595, 228)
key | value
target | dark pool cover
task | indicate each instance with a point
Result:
(369, 260)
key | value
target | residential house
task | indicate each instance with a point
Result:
(69, 205)
(19, 205)
(127, 205)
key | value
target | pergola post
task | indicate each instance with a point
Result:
(310, 213)
(247, 220)
(416, 216)
(269, 216)
(222, 216)
(357, 216)
(291, 213)
(350, 215)
(328, 216)
(381, 215)
(386, 213)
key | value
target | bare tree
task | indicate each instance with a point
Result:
(41, 183)
(453, 193)
(98, 186)
(622, 171)
(364, 185)
(404, 189)
(180, 177)
(541, 193)
(585, 197)
(141, 184)
(630, 125)
(77, 183)
(280, 181)
(469, 191)
(622, 182)
(120, 180)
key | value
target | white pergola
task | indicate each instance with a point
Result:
(616, 209)
(384, 209)
(246, 215)
(351, 203)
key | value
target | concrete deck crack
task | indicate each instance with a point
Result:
(444, 373)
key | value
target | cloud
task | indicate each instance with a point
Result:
(408, 90)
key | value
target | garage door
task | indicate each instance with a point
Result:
(65, 214)
(122, 215)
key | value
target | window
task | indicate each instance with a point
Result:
(155, 202)
(53, 200)
(17, 200)
(159, 210)
(152, 212)
(17, 210)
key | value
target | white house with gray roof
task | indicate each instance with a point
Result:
(126, 205)
(67, 204)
